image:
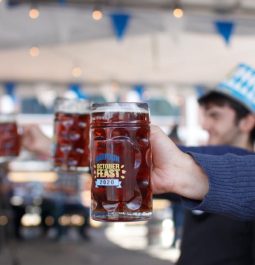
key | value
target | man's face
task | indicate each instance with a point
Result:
(219, 122)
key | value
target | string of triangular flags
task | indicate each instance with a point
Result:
(225, 29)
(120, 22)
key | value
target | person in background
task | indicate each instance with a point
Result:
(13, 211)
(203, 176)
(228, 118)
(63, 196)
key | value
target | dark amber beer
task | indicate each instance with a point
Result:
(9, 137)
(121, 162)
(71, 133)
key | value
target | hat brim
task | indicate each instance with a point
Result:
(204, 98)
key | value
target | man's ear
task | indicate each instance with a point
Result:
(247, 123)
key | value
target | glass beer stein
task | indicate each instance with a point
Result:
(120, 162)
(9, 137)
(71, 135)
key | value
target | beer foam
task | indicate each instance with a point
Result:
(7, 118)
(72, 106)
(119, 107)
(73, 111)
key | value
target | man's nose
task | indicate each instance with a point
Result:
(206, 124)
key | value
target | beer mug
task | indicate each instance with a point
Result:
(10, 139)
(120, 162)
(71, 135)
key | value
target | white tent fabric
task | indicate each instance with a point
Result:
(157, 48)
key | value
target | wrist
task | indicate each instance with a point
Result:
(194, 183)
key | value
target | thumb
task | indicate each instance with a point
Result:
(162, 147)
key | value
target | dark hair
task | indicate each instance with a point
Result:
(221, 100)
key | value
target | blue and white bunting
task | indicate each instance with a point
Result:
(225, 29)
(120, 22)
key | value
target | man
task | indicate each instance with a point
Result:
(228, 118)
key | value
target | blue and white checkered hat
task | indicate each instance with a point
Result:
(240, 85)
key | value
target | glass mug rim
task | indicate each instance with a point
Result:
(119, 114)
(140, 107)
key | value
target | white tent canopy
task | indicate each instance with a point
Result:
(157, 48)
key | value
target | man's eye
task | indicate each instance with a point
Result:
(214, 115)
